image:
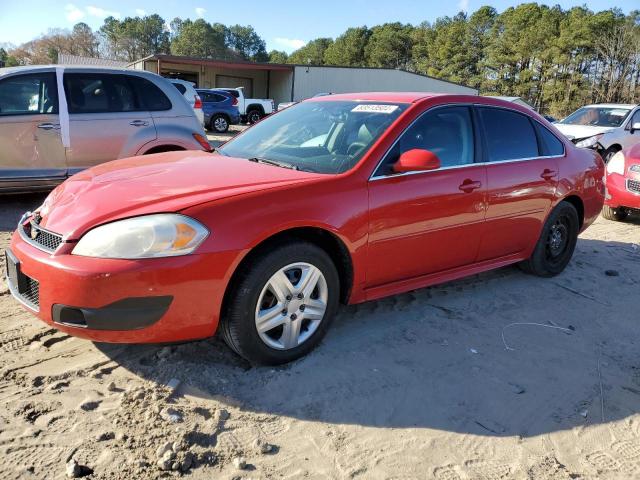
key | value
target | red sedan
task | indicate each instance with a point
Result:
(343, 198)
(623, 184)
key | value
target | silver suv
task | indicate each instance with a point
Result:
(605, 127)
(56, 121)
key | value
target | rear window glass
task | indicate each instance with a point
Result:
(550, 144)
(181, 88)
(151, 97)
(509, 135)
(99, 93)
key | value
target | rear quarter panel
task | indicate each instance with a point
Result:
(582, 174)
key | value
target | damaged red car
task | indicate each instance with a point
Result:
(344, 198)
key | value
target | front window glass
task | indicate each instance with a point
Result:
(29, 94)
(324, 137)
(597, 116)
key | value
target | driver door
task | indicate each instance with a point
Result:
(427, 222)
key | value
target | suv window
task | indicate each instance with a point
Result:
(152, 98)
(509, 135)
(549, 142)
(99, 93)
(31, 94)
(235, 93)
(181, 88)
(447, 132)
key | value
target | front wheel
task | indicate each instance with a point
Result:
(282, 304)
(556, 244)
(616, 214)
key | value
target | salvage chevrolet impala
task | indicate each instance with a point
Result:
(343, 198)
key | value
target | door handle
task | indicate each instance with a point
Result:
(548, 174)
(49, 126)
(469, 186)
(139, 123)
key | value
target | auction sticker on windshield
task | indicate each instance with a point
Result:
(375, 108)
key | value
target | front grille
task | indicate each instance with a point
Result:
(39, 237)
(31, 293)
(633, 186)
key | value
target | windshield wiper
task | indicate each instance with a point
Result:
(273, 162)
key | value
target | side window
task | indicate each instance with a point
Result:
(219, 98)
(551, 146)
(447, 132)
(181, 88)
(152, 98)
(99, 93)
(31, 94)
(234, 93)
(635, 118)
(509, 135)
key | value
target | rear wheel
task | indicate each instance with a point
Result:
(609, 153)
(617, 214)
(282, 304)
(556, 244)
(254, 116)
(219, 124)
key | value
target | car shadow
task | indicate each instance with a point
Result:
(12, 207)
(500, 354)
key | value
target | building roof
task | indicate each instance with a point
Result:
(65, 59)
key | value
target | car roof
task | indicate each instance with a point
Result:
(626, 106)
(393, 97)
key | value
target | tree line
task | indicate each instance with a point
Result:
(555, 59)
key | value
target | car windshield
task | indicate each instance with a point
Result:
(597, 116)
(323, 137)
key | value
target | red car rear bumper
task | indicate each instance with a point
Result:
(618, 195)
(125, 301)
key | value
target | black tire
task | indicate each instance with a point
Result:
(615, 214)
(238, 324)
(556, 244)
(219, 124)
(254, 116)
(608, 153)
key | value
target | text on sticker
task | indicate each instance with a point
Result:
(375, 108)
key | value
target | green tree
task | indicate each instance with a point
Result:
(390, 46)
(312, 53)
(245, 41)
(199, 39)
(278, 56)
(349, 48)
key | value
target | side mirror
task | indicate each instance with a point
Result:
(635, 126)
(416, 160)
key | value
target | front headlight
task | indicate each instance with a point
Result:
(589, 142)
(148, 236)
(616, 164)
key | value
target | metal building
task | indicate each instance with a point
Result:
(285, 83)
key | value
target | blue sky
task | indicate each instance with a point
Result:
(285, 24)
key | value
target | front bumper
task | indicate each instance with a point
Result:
(618, 195)
(125, 301)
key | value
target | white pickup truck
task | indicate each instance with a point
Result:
(251, 109)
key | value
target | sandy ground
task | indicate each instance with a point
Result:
(217, 139)
(450, 382)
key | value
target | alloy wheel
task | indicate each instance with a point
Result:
(291, 306)
(220, 124)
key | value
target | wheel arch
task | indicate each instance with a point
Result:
(254, 106)
(163, 148)
(323, 238)
(578, 204)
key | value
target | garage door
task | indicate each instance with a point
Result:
(227, 81)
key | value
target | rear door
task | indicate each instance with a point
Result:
(31, 150)
(107, 120)
(522, 175)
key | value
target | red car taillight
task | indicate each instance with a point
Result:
(198, 103)
(235, 101)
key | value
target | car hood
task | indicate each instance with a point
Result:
(165, 182)
(580, 131)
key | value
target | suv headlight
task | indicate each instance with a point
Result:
(616, 164)
(589, 142)
(147, 236)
